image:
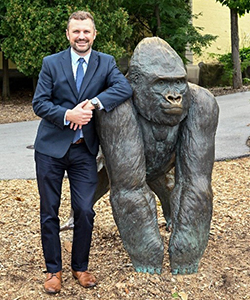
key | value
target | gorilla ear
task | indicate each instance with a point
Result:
(133, 77)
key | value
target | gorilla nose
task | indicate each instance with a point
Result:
(175, 100)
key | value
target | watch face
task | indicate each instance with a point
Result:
(94, 102)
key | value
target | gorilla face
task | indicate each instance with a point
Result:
(158, 78)
(170, 91)
(163, 101)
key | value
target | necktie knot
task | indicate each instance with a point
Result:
(81, 60)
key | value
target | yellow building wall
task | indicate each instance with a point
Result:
(11, 64)
(215, 20)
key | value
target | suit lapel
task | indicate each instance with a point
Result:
(92, 66)
(67, 69)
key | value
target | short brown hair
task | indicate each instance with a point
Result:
(81, 15)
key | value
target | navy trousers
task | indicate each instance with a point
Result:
(81, 168)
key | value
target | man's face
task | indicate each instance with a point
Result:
(81, 35)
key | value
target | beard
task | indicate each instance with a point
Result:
(84, 49)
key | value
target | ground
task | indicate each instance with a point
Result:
(224, 271)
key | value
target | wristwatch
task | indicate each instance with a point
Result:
(95, 102)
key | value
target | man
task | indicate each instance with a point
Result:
(67, 92)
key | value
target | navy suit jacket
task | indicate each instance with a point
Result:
(56, 92)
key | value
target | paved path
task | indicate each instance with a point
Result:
(17, 159)
(234, 126)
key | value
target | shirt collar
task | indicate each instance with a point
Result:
(75, 57)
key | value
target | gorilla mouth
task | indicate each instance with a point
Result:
(172, 109)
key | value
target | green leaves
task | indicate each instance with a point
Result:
(241, 6)
(226, 61)
(33, 29)
(168, 19)
(180, 295)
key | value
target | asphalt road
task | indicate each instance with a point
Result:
(17, 157)
(234, 126)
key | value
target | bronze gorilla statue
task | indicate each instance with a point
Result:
(168, 123)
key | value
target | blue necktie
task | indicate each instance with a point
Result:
(79, 78)
(79, 73)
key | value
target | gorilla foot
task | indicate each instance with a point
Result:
(185, 252)
(145, 257)
(149, 270)
(188, 269)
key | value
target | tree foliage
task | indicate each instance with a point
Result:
(241, 6)
(237, 7)
(226, 61)
(5, 77)
(168, 19)
(36, 28)
(32, 29)
(3, 4)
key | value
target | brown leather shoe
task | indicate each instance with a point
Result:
(86, 279)
(53, 282)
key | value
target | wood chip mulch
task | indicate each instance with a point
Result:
(224, 271)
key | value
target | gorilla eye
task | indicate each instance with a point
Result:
(160, 84)
(180, 85)
(180, 81)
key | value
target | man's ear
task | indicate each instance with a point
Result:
(67, 34)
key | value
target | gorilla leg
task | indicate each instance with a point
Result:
(191, 201)
(132, 201)
(162, 187)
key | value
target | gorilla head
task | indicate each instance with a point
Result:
(158, 78)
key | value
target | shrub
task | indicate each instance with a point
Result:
(226, 61)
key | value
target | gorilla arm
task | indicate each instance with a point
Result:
(191, 201)
(132, 201)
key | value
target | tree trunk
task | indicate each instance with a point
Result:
(34, 83)
(157, 15)
(237, 76)
(6, 85)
